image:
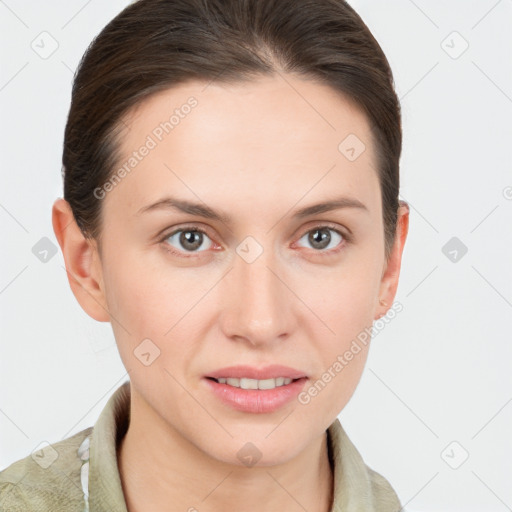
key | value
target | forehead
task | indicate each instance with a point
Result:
(275, 138)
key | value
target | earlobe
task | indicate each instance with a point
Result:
(384, 304)
(83, 265)
(389, 282)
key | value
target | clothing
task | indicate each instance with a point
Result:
(85, 475)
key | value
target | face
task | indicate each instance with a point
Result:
(254, 283)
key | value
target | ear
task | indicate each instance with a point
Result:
(82, 260)
(391, 273)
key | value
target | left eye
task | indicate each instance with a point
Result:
(320, 238)
(189, 239)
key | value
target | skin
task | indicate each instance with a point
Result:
(256, 151)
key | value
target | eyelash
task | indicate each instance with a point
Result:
(347, 239)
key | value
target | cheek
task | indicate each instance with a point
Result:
(146, 296)
(345, 299)
(150, 300)
(143, 305)
(345, 304)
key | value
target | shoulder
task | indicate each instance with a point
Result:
(49, 479)
(384, 495)
(356, 483)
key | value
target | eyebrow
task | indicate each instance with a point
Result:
(202, 210)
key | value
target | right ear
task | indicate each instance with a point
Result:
(82, 260)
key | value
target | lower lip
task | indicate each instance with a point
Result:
(257, 400)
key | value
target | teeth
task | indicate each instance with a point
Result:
(255, 384)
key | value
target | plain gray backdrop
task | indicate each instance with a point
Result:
(433, 410)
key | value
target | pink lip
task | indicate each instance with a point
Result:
(269, 372)
(257, 400)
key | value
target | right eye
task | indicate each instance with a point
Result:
(187, 239)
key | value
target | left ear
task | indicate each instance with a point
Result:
(389, 281)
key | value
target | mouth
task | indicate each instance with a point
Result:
(255, 384)
(255, 395)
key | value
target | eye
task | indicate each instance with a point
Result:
(191, 239)
(321, 239)
(187, 239)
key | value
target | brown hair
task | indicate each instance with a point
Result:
(156, 44)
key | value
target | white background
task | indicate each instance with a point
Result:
(439, 372)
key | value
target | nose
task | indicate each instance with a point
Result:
(257, 305)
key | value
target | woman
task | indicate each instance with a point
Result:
(231, 180)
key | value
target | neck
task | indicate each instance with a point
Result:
(158, 467)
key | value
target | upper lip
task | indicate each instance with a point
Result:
(250, 372)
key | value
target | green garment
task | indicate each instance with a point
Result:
(73, 482)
